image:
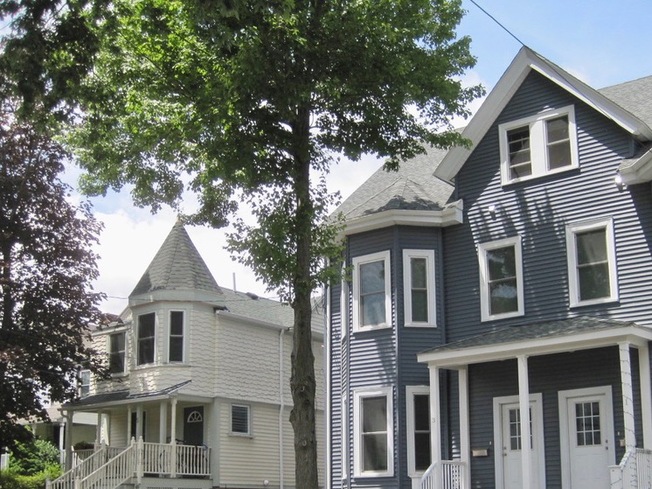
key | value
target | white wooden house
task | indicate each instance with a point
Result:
(199, 391)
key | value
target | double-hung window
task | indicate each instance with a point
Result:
(117, 353)
(418, 429)
(146, 338)
(501, 279)
(537, 146)
(175, 353)
(371, 285)
(240, 420)
(418, 287)
(84, 383)
(592, 274)
(373, 435)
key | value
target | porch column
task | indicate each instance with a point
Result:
(524, 407)
(173, 435)
(465, 432)
(163, 422)
(435, 416)
(60, 444)
(646, 393)
(139, 422)
(628, 395)
(98, 430)
(129, 428)
(68, 438)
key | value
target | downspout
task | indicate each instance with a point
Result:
(327, 369)
(281, 408)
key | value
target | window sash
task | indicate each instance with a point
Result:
(373, 440)
(371, 292)
(501, 279)
(240, 419)
(175, 350)
(146, 337)
(117, 353)
(419, 287)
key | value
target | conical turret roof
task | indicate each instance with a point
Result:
(177, 266)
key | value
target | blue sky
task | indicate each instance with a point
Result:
(601, 42)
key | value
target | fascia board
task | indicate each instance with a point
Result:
(511, 80)
(452, 214)
(546, 346)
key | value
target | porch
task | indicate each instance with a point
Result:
(141, 463)
(594, 378)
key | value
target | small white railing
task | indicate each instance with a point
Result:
(175, 460)
(445, 474)
(634, 470)
(85, 463)
(116, 471)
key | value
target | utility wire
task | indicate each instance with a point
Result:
(496, 21)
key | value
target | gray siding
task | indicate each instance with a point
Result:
(548, 375)
(538, 210)
(385, 357)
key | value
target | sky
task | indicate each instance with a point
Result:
(601, 42)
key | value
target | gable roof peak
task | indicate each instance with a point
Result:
(177, 266)
(526, 61)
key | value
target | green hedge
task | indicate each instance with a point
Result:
(9, 479)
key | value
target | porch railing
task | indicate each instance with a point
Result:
(112, 474)
(445, 474)
(634, 470)
(175, 460)
(85, 463)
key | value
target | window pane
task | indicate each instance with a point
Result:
(518, 141)
(591, 246)
(240, 419)
(374, 414)
(117, 353)
(418, 273)
(557, 129)
(420, 306)
(176, 349)
(374, 449)
(176, 322)
(146, 339)
(373, 309)
(503, 297)
(594, 282)
(559, 155)
(421, 413)
(503, 286)
(421, 451)
(372, 277)
(502, 263)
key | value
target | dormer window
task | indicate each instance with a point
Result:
(539, 145)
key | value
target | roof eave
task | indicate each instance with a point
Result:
(525, 61)
(638, 172)
(455, 358)
(450, 215)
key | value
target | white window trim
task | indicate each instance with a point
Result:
(344, 305)
(571, 250)
(410, 392)
(184, 349)
(248, 434)
(126, 349)
(82, 384)
(358, 396)
(345, 436)
(514, 241)
(357, 262)
(538, 147)
(429, 256)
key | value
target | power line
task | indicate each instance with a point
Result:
(496, 21)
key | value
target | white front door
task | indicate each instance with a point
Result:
(586, 434)
(508, 442)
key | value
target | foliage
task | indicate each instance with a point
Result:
(46, 268)
(33, 456)
(253, 101)
(9, 479)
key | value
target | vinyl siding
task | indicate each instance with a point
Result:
(247, 461)
(538, 211)
(548, 375)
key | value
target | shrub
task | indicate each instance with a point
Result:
(33, 457)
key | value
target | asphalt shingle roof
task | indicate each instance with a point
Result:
(412, 187)
(177, 266)
(633, 96)
(534, 331)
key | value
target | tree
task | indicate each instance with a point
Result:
(46, 267)
(253, 100)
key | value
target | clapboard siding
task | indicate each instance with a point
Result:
(538, 210)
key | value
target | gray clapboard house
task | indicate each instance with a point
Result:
(503, 293)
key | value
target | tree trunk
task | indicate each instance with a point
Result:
(302, 382)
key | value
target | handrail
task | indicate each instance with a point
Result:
(444, 474)
(112, 474)
(79, 471)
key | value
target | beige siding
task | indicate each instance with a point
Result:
(252, 460)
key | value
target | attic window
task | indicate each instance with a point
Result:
(536, 146)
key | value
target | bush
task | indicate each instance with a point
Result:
(33, 457)
(9, 479)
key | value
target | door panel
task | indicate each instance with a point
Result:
(193, 425)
